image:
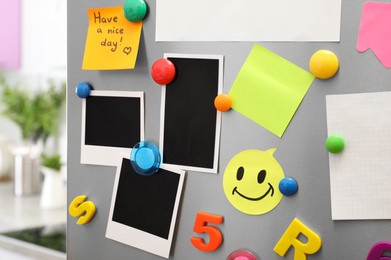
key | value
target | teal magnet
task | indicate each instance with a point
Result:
(145, 158)
(135, 10)
(335, 144)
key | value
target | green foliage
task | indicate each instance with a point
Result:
(52, 162)
(35, 113)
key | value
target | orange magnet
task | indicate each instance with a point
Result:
(223, 102)
(201, 226)
(163, 71)
(324, 64)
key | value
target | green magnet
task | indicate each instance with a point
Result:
(135, 10)
(335, 143)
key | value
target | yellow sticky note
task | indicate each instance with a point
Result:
(269, 89)
(112, 41)
(251, 181)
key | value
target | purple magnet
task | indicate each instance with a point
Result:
(378, 249)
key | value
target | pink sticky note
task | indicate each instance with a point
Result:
(375, 31)
(10, 34)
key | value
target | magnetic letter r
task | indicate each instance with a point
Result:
(290, 238)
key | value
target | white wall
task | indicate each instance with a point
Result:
(43, 54)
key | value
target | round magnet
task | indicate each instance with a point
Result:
(288, 186)
(223, 102)
(241, 254)
(135, 10)
(145, 158)
(335, 144)
(83, 89)
(163, 71)
(324, 64)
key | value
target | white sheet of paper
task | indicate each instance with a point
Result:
(250, 20)
(360, 175)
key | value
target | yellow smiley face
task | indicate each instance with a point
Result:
(251, 181)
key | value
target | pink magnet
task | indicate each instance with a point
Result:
(163, 71)
(241, 255)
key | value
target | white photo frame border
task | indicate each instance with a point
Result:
(214, 169)
(137, 238)
(107, 155)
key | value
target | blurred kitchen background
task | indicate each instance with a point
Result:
(33, 129)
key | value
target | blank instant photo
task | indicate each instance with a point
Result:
(112, 123)
(190, 124)
(143, 209)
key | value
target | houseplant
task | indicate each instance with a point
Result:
(52, 162)
(53, 193)
(36, 113)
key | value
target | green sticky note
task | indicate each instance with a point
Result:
(269, 89)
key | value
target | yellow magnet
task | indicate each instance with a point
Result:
(324, 64)
(83, 209)
(291, 238)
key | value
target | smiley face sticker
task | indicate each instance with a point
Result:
(251, 181)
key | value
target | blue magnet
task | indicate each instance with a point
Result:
(135, 10)
(288, 186)
(83, 90)
(145, 158)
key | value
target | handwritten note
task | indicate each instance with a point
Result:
(112, 41)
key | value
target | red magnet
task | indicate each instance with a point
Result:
(163, 71)
(223, 102)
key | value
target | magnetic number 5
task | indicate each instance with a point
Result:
(200, 226)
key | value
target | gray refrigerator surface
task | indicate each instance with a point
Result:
(301, 151)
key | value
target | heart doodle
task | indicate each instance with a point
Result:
(127, 50)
